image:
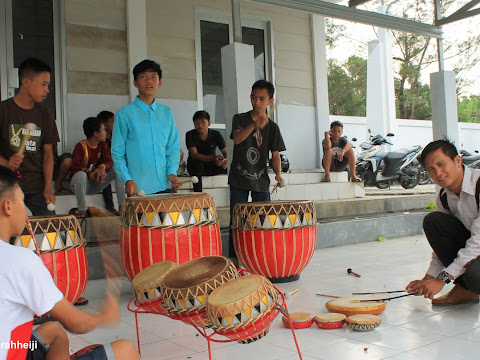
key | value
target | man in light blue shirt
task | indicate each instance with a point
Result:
(145, 142)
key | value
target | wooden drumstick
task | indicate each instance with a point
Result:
(350, 271)
(328, 295)
(193, 180)
(29, 127)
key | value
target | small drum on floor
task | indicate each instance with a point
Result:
(186, 288)
(173, 227)
(300, 320)
(330, 320)
(62, 250)
(351, 305)
(243, 309)
(146, 287)
(363, 322)
(275, 238)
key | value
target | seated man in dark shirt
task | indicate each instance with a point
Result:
(202, 143)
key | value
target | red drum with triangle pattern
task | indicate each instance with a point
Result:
(173, 227)
(275, 238)
(62, 250)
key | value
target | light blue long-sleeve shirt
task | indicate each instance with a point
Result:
(145, 145)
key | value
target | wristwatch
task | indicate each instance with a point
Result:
(444, 277)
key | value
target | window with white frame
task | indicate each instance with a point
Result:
(214, 31)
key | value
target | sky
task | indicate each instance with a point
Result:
(355, 42)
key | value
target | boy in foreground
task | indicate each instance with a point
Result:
(453, 231)
(27, 288)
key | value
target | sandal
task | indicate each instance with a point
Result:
(81, 301)
(114, 211)
(326, 180)
(63, 191)
(356, 180)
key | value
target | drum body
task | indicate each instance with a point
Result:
(330, 321)
(186, 288)
(363, 322)
(350, 305)
(300, 320)
(62, 250)
(243, 309)
(173, 227)
(276, 239)
(146, 287)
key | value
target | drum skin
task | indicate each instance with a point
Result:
(299, 320)
(177, 227)
(275, 239)
(62, 250)
(349, 306)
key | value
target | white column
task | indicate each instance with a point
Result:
(136, 38)
(444, 106)
(238, 75)
(320, 68)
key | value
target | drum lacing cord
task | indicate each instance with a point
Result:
(243, 324)
(30, 230)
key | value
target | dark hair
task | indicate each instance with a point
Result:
(104, 115)
(31, 67)
(8, 180)
(445, 145)
(147, 65)
(335, 124)
(201, 114)
(90, 125)
(264, 84)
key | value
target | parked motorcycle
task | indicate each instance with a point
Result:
(400, 165)
(371, 151)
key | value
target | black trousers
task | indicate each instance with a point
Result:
(447, 235)
(200, 168)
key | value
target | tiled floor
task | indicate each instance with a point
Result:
(411, 328)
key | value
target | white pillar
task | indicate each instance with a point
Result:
(381, 117)
(136, 38)
(238, 76)
(320, 68)
(444, 106)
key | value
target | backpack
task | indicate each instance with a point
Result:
(444, 201)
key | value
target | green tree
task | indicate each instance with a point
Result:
(469, 109)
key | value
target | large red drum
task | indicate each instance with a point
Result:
(173, 227)
(62, 250)
(275, 238)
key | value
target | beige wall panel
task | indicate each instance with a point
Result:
(172, 18)
(293, 60)
(214, 4)
(176, 68)
(178, 89)
(85, 82)
(97, 60)
(255, 8)
(167, 46)
(295, 96)
(110, 14)
(291, 25)
(294, 78)
(284, 41)
(95, 38)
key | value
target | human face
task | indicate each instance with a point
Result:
(102, 134)
(337, 133)
(260, 100)
(201, 125)
(19, 214)
(444, 171)
(37, 87)
(147, 83)
(109, 126)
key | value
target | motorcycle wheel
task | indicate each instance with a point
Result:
(410, 184)
(424, 177)
(382, 185)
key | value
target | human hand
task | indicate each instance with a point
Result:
(328, 133)
(218, 161)
(340, 155)
(49, 197)
(414, 286)
(279, 180)
(100, 174)
(261, 121)
(431, 287)
(109, 313)
(175, 181)
(225, 163)
(130, 188)
(15, 161)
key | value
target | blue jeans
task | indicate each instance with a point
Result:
(241, 196)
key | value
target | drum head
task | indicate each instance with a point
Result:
(364, 319)
(299, 316)
(153, 275)
(195, 272)
(235, 290)
(330, 317)
(350, 305)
